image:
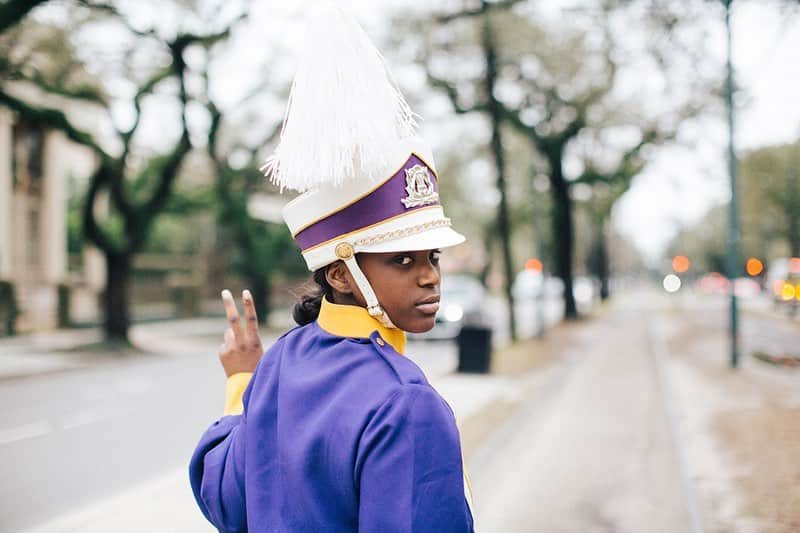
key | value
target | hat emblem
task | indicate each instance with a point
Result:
(419, 187)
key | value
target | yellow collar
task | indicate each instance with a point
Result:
(354, 321)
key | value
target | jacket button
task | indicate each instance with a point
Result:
(380, 341)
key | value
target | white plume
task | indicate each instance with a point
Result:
(345, 111)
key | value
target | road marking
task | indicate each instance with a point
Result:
(71, 421)
(26, 431)
(89, 416)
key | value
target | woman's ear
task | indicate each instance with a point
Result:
(339, 278)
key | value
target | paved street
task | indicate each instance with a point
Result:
(75, 437)
(80, 440)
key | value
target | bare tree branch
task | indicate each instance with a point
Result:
(51, 118)
(484, 7)
(112, 10)
(93, 231)
(85, 92)
(452, 93)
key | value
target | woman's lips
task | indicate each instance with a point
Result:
(428, 306)
(428, 309)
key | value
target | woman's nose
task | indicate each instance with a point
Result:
(429, 274)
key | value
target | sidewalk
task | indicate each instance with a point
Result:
(61, 350)
(45, 352)
(742, 427)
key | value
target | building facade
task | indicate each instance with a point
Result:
(35, 166)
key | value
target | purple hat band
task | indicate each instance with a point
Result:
(398, 195)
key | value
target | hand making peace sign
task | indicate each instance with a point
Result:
(242, 348)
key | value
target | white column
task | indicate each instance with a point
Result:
(6, 185)
(53, 216)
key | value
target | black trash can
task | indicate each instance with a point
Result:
(474, 349)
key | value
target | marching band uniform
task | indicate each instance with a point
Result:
(338, 431)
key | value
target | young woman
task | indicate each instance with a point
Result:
(333, 429)
(340, 432)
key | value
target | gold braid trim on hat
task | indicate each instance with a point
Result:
(402, 232)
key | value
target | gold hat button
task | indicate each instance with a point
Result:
(344, 250)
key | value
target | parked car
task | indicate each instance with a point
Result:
(462, 303)
(783, 278)
(713, 283)
(585, 289)
(746, 288)
(530, 284)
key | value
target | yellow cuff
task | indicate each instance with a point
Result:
(234, 389)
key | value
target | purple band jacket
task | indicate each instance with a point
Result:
(338, 434)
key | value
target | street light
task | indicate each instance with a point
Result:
(733, 209)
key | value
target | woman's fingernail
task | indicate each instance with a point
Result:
(226, 293)
(246, 295)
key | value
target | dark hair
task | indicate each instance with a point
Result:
(306, 310)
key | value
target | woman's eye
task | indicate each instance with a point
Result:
(403, 260)
(435, 257)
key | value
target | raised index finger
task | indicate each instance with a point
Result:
(250, 316)
(232, 315)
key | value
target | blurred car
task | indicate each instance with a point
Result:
(716, 283)
(530, 284)
(462, 303)
(783, 277)
(746, 288)
(712, 283)
(584, 289)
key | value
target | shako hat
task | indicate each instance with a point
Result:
(368, 182)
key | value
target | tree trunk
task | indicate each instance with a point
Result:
(260, 289)
(603, 269)
(538, 251)
(598, 256)
(488, 245)
(503, 221)
(117, 297)
(563, 235)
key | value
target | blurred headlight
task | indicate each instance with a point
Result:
(672, 283)
(788, 292)
(453, 313)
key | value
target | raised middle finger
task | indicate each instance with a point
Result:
(232, 315)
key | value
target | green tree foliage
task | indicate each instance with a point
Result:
(263, 250)
(138, 193)
(770, 201)
(769, 211)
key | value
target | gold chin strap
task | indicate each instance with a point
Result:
(346, 253)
